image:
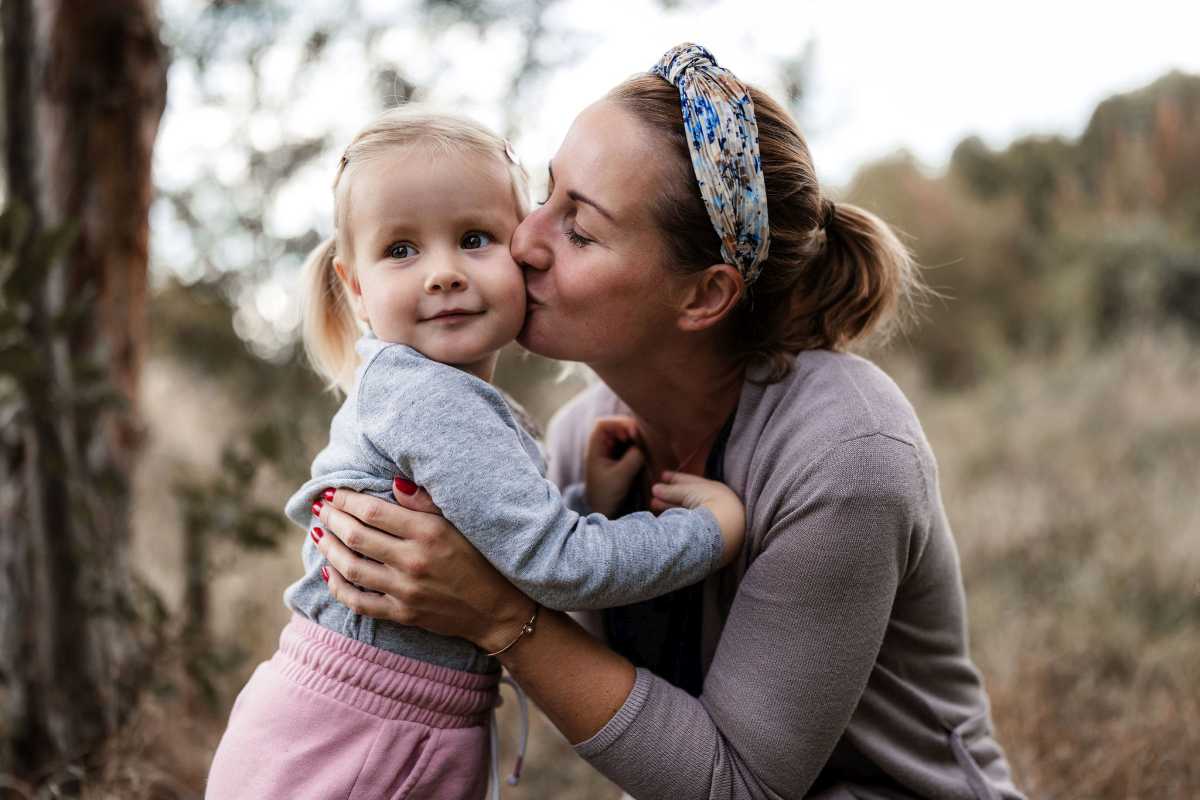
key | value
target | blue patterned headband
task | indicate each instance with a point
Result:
(718, 119)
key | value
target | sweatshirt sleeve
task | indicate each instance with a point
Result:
(452, 434)
(802, 637)
(566, 443)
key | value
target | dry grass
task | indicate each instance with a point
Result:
(1071, 486)
(1072, 489)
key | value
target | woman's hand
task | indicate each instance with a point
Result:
(407, 564)
(430, 576)
(612, 461)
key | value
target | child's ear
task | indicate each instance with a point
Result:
(353, 289)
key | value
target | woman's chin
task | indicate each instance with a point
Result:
(532, 337)
(558, 338)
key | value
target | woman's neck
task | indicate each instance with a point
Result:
(681, 402)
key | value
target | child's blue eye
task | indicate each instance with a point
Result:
(401, 250)
(475, 240)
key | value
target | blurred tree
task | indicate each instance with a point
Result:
(1053, 240)
(85, 87)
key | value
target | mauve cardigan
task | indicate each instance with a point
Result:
(835, 650)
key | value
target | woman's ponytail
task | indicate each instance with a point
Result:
(330, 329)
(854, 285)
(835, 273)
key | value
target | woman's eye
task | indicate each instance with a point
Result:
(475, 240)
(577, 240)
(401, 250)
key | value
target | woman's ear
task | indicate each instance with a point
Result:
(711, 296)
(353, 289)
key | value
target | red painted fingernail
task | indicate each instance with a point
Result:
(325, 573)
(329, 495)
(313, 535)
(318, 531)
(406, 486)
(317, 506)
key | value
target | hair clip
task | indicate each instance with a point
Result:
(511, 153)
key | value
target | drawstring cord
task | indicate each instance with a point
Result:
(523, 712)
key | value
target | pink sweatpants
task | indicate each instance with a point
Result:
(329, 717)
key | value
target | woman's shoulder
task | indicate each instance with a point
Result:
(830, 397)
(835, 433)
(831, 408)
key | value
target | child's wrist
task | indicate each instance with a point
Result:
(596, 504)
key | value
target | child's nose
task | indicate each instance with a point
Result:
(445, 280)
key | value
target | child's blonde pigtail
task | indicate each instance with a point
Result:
(330, 329)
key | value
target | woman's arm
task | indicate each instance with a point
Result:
(798, 647)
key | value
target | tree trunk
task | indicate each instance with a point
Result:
(85, 87)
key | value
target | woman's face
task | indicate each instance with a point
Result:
(594, 259)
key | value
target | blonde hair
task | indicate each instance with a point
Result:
(330, 327)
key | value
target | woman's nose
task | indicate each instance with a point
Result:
(530, 245)
(445, 280)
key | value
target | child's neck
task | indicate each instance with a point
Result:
(484, 369)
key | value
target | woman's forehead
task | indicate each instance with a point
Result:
(608, 156)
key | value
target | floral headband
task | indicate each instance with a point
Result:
(718, 119)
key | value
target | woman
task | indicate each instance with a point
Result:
(714, 298)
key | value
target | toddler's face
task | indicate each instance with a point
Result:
(430, 262)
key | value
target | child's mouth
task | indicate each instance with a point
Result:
(453, 315)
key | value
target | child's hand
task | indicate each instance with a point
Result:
(691, 491)
(612, 461)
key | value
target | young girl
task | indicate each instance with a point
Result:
(353, 707)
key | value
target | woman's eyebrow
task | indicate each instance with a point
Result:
(579, 197)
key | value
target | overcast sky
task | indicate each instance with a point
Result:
(918, 75)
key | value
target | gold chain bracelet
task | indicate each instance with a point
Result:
(527, 628)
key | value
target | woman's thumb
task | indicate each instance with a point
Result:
(413, 497)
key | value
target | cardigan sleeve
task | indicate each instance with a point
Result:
(800, 642)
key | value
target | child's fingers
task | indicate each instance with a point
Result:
(631, 462)
(670, 478)
(610, 433)
(658, 506)
(624, 426)
(672, 493)
(614, 427)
